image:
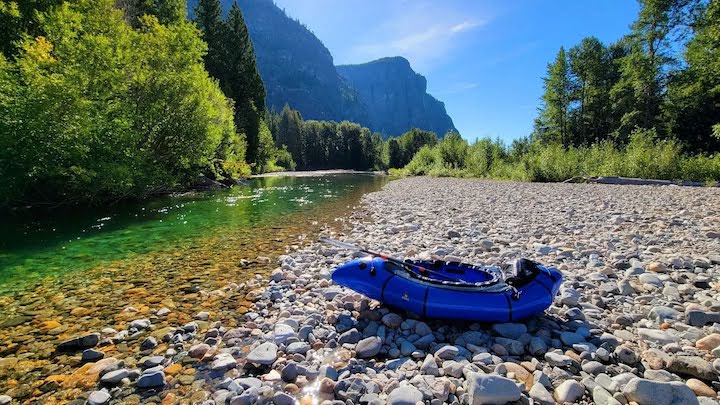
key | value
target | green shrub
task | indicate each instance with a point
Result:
(453, 151)
(424, 160)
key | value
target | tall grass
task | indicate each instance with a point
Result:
(645, 156)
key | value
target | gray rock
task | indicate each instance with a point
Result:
(429, 366)
(422, 329)
(537, 346)
(140, 324)
(447, 352)
(149, 343)
(702, 318)
(491, 389)
(660, 337)
(558, 360)
(392, 320)
(155, 378)
(281, 398)
(602, 397)
(79, 343)
(289, 373)
(407, 348)
(248, 397)
(115, 377)
(660, 313)
(541, 395)
(350, 336)
(510, 330)
(249, 382)
(89, 355)
(198, 350)
(569, 391)
(297, 347)
(593, 367)
(625, 355)
(693, 366)
(152, 361)
(571, 338)
(646, 392)
(98, 398)
(283, 333)
(5, 399)
(405, 395)
(266, 354)
(223, 361)
(514, 347)
(368, 347)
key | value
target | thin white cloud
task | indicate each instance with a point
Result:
(464, 26)
(424, 33)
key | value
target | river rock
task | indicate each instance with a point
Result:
(646, 392)
(491, 389)
(98, 398)
(266, 353)
(405, 395)
(510, 330)
(79, 343)
(700, 388)
(368, 347)
(154, 378)
(692, 365)
(541, 395)
(702, 318)
(392, 320)
(569, 391)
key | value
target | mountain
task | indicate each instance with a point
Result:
(298, 69)
(396, 97)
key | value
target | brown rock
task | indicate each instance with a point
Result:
(656, 358)
(708, 342)
(657, 267)
(521, 374)
(700, 388)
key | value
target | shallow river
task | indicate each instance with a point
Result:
(73, 272)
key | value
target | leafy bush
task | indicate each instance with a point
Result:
(96, 110)
(645, 156)
(453, 150)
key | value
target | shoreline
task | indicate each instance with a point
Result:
(313, 173)
(635, 319)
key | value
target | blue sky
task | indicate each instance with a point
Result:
(484, 59)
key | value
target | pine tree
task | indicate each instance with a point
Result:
(290, 134)
(241, 80)
(553, 122)
(208, 17)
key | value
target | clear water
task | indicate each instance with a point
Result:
(36, 245)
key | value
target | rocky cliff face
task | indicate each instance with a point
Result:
(298, 69)
(396, 97)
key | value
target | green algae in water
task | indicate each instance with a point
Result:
(36, 245)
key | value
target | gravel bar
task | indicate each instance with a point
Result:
(637, 319)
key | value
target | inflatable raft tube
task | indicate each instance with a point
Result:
(456, 291)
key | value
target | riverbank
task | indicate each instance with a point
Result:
(636, 320)
(314, 173)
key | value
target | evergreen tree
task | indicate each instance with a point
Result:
(208, 17)
(166, 11)
(290, 134)
(639, 93)
(241, 80)
(553, 122)
(694, 94)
